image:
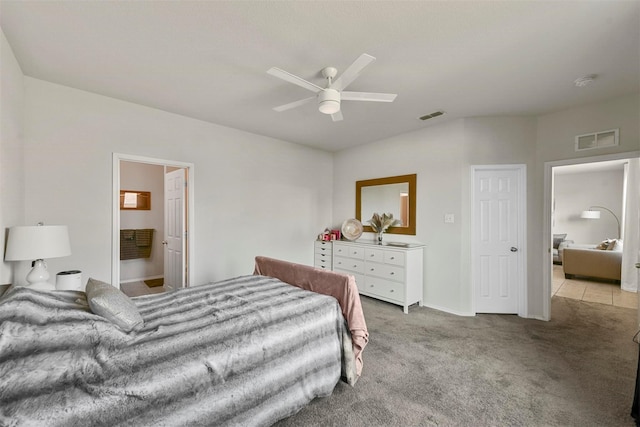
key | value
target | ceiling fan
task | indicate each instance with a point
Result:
(329, 97)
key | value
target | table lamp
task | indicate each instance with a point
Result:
(35, 243)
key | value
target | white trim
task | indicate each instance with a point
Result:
(448, 310)
(546, 218)
(115, 213)
(521, 169)
(141, 279)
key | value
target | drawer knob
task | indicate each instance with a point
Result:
(391, 291)
(392, 273)
(393, 257)
(373, 269)
(355, 265)
(372, 255)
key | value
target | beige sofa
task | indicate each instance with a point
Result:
(591, 262)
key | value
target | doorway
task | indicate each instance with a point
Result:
(547, 264)
(498, 243)
(182, 243)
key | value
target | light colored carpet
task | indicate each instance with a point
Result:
(430, 368)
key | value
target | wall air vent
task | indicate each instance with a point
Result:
(432, 115)
(607, 138)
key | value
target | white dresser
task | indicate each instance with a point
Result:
(389, 273)
(322, 254)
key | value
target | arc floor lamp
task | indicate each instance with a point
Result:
(595, 214)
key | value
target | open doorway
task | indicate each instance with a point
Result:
(553, 219)
(151, 248)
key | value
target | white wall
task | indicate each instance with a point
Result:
(555, 133)
(575, 192)
(441, 156)
(11, 157)
(144, 177)
(253, 195)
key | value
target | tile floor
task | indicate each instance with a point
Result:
(135, 289)
(591, 290)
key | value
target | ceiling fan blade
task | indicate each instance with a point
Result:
(351, 73)
(336, 117)
(288, 77)
(367, 96)
(294, 104)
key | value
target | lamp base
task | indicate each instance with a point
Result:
(38, 277)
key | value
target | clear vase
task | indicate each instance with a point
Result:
(380, 237)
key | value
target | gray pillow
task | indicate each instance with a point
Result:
(557, 239)
(110, 303)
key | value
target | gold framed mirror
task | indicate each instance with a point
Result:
(394, 194)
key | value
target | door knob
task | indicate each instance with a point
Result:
(164, 242)
(513, 249)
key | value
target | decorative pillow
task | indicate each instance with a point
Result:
(110, 303)
(604, 245)
(612, 244)
(557, 239)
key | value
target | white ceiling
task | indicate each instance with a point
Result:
(208, 60)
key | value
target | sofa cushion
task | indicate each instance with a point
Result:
(592, 263)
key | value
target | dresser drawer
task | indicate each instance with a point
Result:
(348, 264)
(323, 246)
(384, 288)
(371, 254)
(322, 255)
(394, 257)
(386, 271)
(349, 251)
(322, 262)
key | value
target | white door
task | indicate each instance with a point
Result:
(498, 238)
(174, 229)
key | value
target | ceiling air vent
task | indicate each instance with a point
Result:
(432, 115)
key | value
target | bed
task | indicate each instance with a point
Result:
(246, 351)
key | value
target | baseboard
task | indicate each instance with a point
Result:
(448, 310)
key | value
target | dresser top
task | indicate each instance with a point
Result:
(389, 245)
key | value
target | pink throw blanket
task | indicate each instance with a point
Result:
(340, 286)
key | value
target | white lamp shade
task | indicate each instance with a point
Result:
(37, 242)
(329, 101)
(590, 214)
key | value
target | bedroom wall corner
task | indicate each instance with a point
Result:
(11, 154)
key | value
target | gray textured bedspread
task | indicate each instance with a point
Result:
(246, 351)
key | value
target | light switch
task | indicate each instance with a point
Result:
(449, 218)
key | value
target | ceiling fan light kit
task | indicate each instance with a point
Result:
(329, 101)
(330, 97)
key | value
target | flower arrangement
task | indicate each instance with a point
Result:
(380, 223)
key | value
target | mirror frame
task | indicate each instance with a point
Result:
(409, 179)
